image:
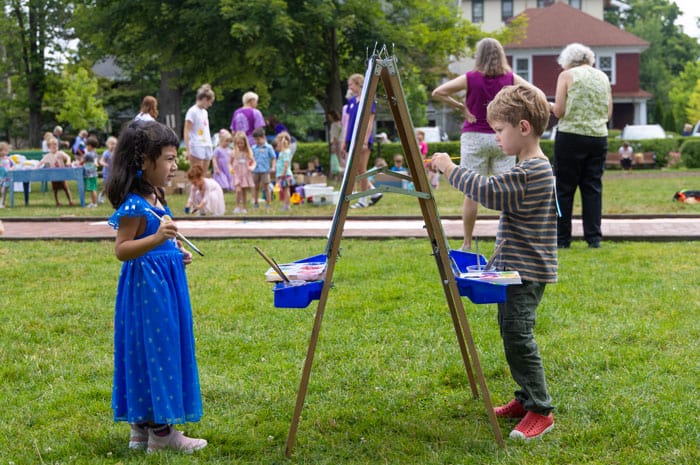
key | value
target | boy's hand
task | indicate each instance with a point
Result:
(442, 162)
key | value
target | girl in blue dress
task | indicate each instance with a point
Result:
(156, 381)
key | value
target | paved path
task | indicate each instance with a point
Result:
(614, 228)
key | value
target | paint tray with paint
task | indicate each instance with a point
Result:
(298, 293)
(479, 285)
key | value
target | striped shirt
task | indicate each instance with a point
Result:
(525, 197)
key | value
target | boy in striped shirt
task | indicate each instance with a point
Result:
(525, 196)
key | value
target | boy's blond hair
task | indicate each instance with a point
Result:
(513, 104)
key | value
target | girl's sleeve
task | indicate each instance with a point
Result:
(132, 207)
(503, 192)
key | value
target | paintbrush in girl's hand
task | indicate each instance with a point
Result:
(168, 219)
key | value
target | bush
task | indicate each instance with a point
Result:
(690, 153)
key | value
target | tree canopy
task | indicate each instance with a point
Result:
(30, 28)
(669, 51)
(293, 53)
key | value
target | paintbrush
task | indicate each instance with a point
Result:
(272, 263)
(166, 219)
(495, 254)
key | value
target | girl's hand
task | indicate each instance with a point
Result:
(186, 255)
(166, 230)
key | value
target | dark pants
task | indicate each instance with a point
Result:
(579, 162)
(516, 320)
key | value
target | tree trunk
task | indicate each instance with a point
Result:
(333, 100)
(170, 101)
(36, 96)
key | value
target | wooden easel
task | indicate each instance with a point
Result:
(384, 67)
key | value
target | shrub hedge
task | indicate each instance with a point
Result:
(690, 153)
(661, 147)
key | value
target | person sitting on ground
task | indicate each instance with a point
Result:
(206, 195)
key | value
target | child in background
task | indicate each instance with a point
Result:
(105, 162)
(56, 159)
(422, 144)
(283, 172)
(222, 161)
(156, 380)
(399, 167)
(79, 146)
(206, 195)
(90, 170)
(335, 134)
(398, 164)
(242, 164)
(265, 159)
(5, 166)
(47, 135)
(525, 196)
(433, 174)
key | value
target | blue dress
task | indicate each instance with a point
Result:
(155, 369)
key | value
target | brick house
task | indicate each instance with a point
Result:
(551, 26)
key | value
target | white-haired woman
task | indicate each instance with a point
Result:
(583, 104)
(478, 147)
(248, 118)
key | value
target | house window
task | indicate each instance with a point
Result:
(606, 63)
(506, 10)
(575, 3)
(477, 11)
(544, 3)
(522, 68)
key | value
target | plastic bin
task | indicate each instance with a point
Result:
(477, 291)
(299, 296)
(320, 194)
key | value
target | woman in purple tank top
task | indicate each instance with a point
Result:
(478, 148)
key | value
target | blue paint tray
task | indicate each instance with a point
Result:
(477, 291)
(299, 294)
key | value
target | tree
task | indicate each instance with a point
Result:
(693, 108)
(669, 50)
(33, 28)
(80, 106)
(186, 42)
(311, 47)
(293, 53)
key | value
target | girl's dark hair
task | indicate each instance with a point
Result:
(139, 141)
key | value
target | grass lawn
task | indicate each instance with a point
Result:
(618, 335)
(636, 192)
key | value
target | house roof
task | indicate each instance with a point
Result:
(559, 24)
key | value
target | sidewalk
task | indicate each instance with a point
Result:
(614, 228)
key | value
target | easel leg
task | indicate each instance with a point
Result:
(462, 316)
(305, 375)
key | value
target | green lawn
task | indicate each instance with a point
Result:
(637, 192)
(618, 335)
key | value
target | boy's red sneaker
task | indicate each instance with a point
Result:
(513, 409)
(533, 426)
